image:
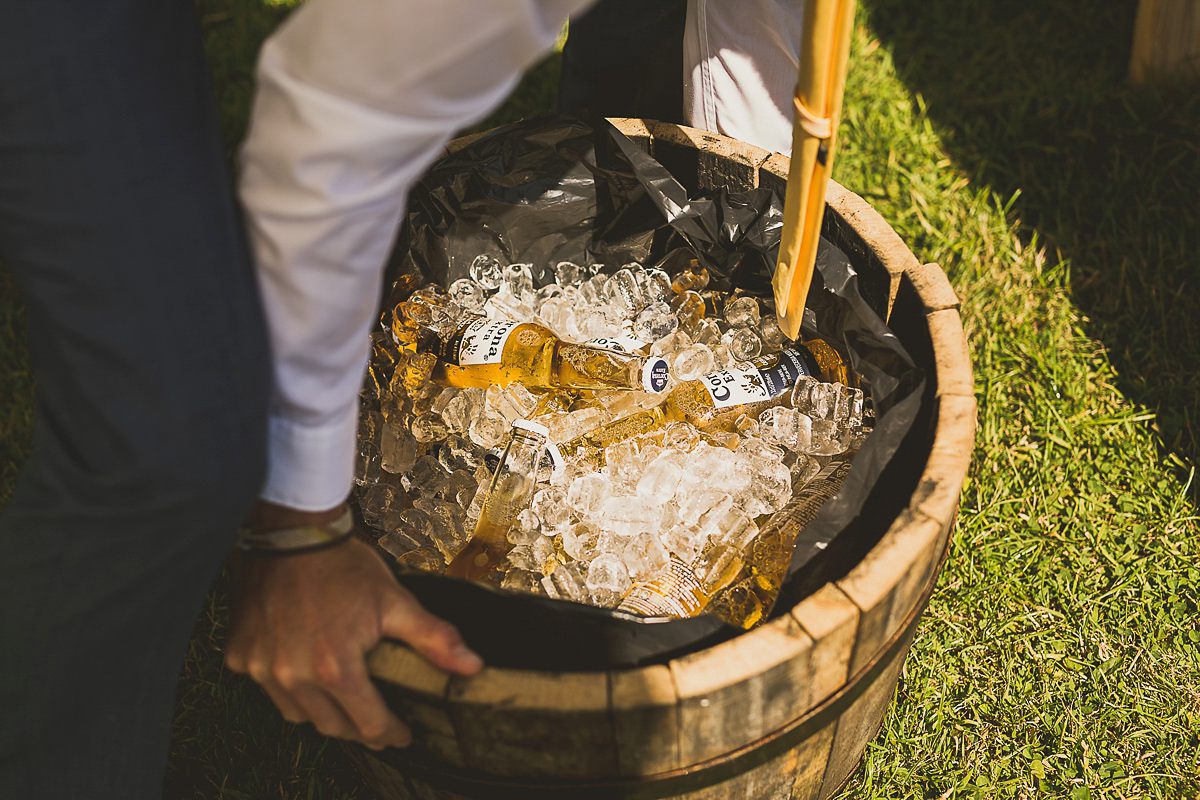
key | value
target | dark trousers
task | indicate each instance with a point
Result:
(118, 222)
(624, 58)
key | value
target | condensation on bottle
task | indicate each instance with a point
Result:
(510, 492)
(484, 353)
(717, 400)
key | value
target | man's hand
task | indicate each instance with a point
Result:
(302, 624)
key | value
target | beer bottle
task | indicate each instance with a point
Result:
(486, 353)
(738, 580)
(509, 493)
(715, 401)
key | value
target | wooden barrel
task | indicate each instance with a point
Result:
(782, 711)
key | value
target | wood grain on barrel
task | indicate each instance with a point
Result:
(417, 691)
(734, 693)
(858, 724)
(889, 580)
(527, 722)
(938, 491)
(645, 714)
(830, 618)
(720, 161)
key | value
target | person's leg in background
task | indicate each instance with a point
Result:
(621, 59)
(741, 59)
(118, 221)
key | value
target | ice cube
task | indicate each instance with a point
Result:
(526, 529)
(568, 273)
(397, 449)
(727, 526)
(489, 428)
(460, 488)
(696, 503)
(504, 304)
(447, 531)
(584, 541)
(522, 557)
(522, 580)
(680, 436)
(670, 345)
(462, 409)
(803, 470)
(645, 556)
(429, 427)
(607, 572)
(586, 493)
(455, 453)
(518, 280)
(660, 480)
(425, 478)
(627, 516)
(550, 504)
(368, 464)
(426, 559)
(772, 335)
(826, 438)
(567, 582)
(487, 272)
(742, 312)
(772, 487)
(714, 565)
(692, 362)
(468, 294)
(375, 501)
(654, 322)
(745, 344)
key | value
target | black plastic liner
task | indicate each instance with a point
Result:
(562, 189)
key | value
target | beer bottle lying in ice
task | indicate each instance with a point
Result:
(509, 493)
(739, 579)
(486, 353)
(716, 400)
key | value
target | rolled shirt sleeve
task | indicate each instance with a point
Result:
(355, 98)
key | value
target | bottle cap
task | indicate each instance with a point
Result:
(532, 427)
(655, 375)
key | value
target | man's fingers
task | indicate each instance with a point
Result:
(325, 715)
(288, 708)
(361, 702)
(439, 641)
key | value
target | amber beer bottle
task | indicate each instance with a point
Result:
(510, 493)
(716, 400)
(739, 582)
(486, 353)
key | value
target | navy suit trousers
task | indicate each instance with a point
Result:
(118, 221)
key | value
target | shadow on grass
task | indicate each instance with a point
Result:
(1033, 97)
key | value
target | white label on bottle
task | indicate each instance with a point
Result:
(733, 387)
(621, 343)
(483, 341)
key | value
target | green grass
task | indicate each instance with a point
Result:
(1059, 656)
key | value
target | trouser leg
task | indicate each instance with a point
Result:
(118, 222)
(622, 59)
(740, 64)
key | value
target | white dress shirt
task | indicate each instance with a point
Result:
(355, 99)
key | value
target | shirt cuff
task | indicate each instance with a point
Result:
(311, 468)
